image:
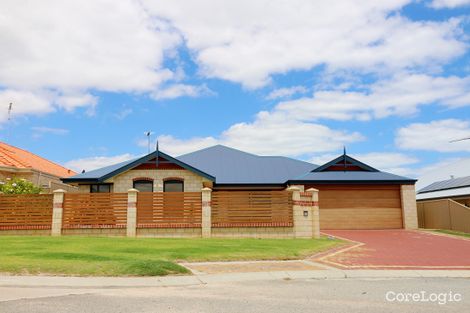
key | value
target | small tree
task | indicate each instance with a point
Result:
(18, 186)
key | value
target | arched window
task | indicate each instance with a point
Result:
(173, 185)
(143, 185)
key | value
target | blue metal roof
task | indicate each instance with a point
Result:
(107, 172)
(231, 166)
(452, 183)
(352, 176)
(226, 165)
(96, 174)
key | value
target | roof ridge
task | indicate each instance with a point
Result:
(219, 145)
(449, 179)
(451, 183)
(24, 162)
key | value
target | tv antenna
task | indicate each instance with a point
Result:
(148, 134)
(10, 107)
(461, 139)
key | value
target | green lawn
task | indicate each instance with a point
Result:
(451, 232)
(105, 256)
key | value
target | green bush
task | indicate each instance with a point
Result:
(18, 186)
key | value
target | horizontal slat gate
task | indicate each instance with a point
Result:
(251, 208)
(95, 210)
(169, 209)
(26, 211)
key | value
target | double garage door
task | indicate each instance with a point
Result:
(360, 206)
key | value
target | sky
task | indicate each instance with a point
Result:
(389, 80)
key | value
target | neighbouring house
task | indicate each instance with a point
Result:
(19, 163)
(352, 195)
(457, 189)
(445, 205)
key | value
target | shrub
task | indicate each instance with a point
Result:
(18, 186)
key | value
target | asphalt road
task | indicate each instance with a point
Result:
(290, 296)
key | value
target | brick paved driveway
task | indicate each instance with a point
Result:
(400, 249)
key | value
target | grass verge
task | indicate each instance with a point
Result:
(451, 232)
(106, 256)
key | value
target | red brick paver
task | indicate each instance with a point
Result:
(400, 249)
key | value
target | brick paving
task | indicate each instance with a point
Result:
(398, 249)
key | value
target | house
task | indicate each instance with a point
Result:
(457, 189)
(353, 195)
(19, 163)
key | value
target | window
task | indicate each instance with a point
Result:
(143, 185)
(100, 188)
(173, 186)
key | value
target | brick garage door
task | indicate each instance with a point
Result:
(360, 206)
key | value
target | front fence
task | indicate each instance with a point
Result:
(229, 213)
(443, 214)
(25, 212)
(94, 210)
(169, 209)
(251, 209)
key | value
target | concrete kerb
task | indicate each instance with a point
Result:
(168, 281)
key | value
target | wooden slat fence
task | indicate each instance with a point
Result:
(443, 214)
(169, 209)
(95, 210)
(25, 211)
(251, 209)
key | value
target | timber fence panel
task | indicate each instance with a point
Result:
(459, 216)
(436, 214)
(169, 209)
(95, 210)
(28, 211)
(421, 217)
(251, 209)
(443, 214)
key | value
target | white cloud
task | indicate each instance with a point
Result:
(401, 95)
(439, 4)
(181, 90)
(289, 129)
(50, 130)
(286, 92)
(54, 52)
(39, 102)
(435, 136)
(123, 113)
(393, 162)
(96, 162)
(72, 101)
(23, 103)
(269, 134)
(443, 170)
(175, 146)
(249, 41)
(62, 51)
(72, 45)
